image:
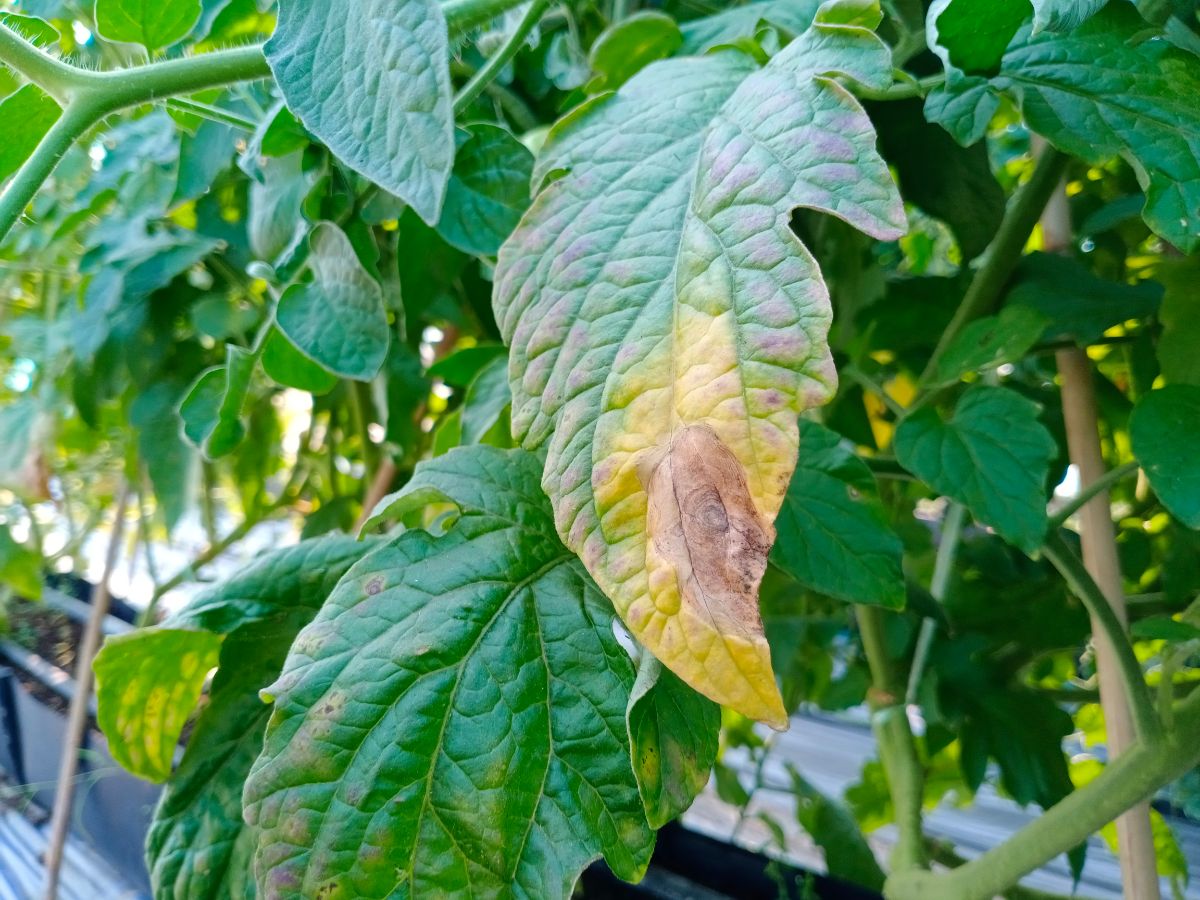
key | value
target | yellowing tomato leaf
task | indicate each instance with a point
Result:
(667, 327)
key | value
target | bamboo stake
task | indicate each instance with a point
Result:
(77, 715)
(1139, 869)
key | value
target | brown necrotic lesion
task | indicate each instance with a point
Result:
(703, 522)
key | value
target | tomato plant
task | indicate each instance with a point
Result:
(618, 363)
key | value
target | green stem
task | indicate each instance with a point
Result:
(498, 60)
(901, 90)
(463, 15)
(1130, 779)
(1004, 251)
(897, 747)
(1141, 704)
(212, 113)
(943, 566)
(1099, 486)
(861, 378)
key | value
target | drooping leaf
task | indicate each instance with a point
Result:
(371, 79)
(274, 219)
(973, 34)
(1137, 105)
(27, 116)
(1078, 305)
(948, 181)
(680, 340)
(1180, 318)
(1165, 432)
(162, 449)
(488, 190)
(1063, 15)
(338, 320)
(673, 736)
(830, 539)
(628, 46)
(726, 27)
(991, 341)
(460, 702)
(487, 397)
(152, 23)
(147, 683)
(202, 157)
(832, 827)
(288, 366)
(992, 455)
(212, 410)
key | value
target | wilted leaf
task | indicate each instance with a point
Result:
(371, 79)
(1165, 432)
(678, 342)
(992, 455)
(460, 702)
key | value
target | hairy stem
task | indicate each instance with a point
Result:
(498, 60)
(1131, 779)
(897, 747)
(1004, 251)
(1145, 720)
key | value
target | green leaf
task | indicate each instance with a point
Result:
(674, 736)
(152, 23)
(948, 181)
(460, 367)
(20, 567)
(274, 221)
(832, 827)
(832, 541)
(28, 115)
(1137, 105)
(1164, 628)
(1063, 15)
(202, 157)
(288, 366)
(223, 317)
(692, 316)
(1165, 432)
(198, 846)
(459, 706)
(487, 398)
(972, 35)
(1180, 318)
(1078, 305)
(992, 455)
(17, 421)
(488, 190)
(338, 320)
(33, 28)
(628, 46)
(212, 410)
(793, 16)
(991, 341)
(166, 456)
(147, 683)
(371, 79)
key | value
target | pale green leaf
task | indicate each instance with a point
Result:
(1165, 432)
(460, 703)
(288, 366)
(168, 460)
(147, 683)
(692, 315)
(1063, 15)
(20, 567)
(338, 320)
(992, 455)
(152, 23)
(793, 16)
(487, 398)
(371, 79)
